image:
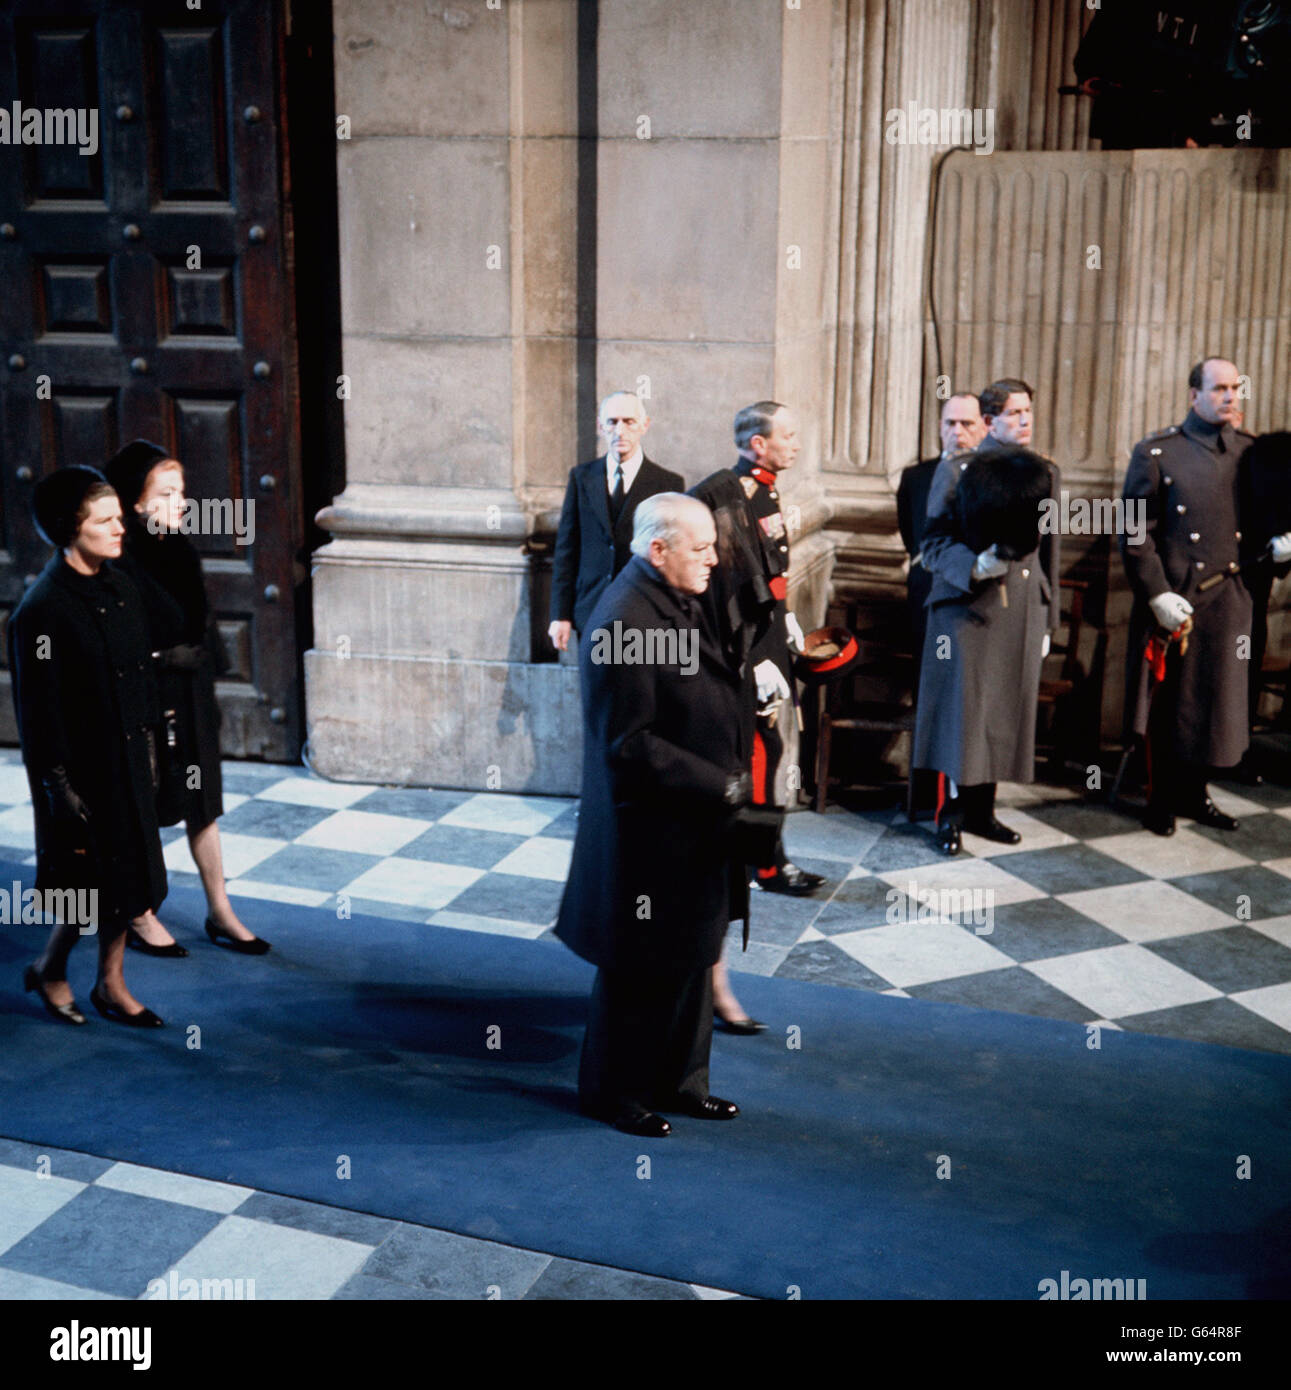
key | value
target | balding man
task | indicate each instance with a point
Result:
(1183, 566)
(655, 879)
(601, 497)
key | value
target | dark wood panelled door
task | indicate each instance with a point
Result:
(145, 291)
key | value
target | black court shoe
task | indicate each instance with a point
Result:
(742, 1027)
(65, 1013)
(257, 946)
(1158, 821)
(145, 1018)
(950, 839)
(137, 943)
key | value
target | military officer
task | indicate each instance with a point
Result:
(1183, 564)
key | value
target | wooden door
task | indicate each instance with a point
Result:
(145, 290)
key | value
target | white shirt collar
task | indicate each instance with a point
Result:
(631, 465)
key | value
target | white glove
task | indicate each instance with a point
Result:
(770, 682)
(798, 641)
(1281, 547)
(1044, 647)
(988, 565)
(1170, 610)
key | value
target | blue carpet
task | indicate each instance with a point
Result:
(370, 1039)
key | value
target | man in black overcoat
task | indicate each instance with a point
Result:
(86, 702)
(595, 533)
(654, 882)
(1192, 706)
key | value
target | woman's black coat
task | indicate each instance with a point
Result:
(86, 700)
(167, 570)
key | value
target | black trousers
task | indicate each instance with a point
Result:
(1174, 786)
(971, 807)
(648, 1040)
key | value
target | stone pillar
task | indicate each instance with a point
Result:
(499, 276)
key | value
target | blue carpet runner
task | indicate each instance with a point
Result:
(902, 1149)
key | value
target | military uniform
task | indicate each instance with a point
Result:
(763, 498)
(1187, 478)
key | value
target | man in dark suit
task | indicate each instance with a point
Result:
(655, 878)
(595, 533)
(962, 430)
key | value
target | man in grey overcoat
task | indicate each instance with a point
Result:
(980, 675)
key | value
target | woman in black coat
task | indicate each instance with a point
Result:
(86, 702)
(167, 569)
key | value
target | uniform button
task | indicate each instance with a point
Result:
(102, 609)
(1237, 535)
(1154, 452)
(1167, 479)
(1194, 535)
(1201, 564)
(120, 673)
(1180, 508)
(774, 494)
(1026, 574)
(121, 603)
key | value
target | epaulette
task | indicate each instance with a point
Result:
(1160, 434)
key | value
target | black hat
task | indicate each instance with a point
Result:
(129, 467)
(57, 498)
(828, 654)
(999, 498)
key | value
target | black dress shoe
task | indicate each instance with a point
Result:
(950, 840)
(137, 943)
(798, 883)
(145, 1018)
(743, 1027)
(65, 1013)
(994, 830)
(710, 1108)
(257, 946)
(645, 1124)
(1247, 773)
(1207, 813)
(1159, 822)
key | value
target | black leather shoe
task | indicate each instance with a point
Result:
(257, 946)
(65, 1013)
(744, 1027)
(950, 840)
(710, 1108)
(993, 830)
(145, 1018)
(1210, 814)
(798, 883)
(1247, 773)
(645, 1124)
(137, 943)
(1159, 822)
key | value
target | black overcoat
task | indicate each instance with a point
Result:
(86, 700)
(1186, 480)
(167, 570)
(589, 551)
(653, 884)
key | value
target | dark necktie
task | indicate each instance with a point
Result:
(616, 497)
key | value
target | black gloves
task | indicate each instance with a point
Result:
(67, 809)
(739, 789)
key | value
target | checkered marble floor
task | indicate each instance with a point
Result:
(1089, 919)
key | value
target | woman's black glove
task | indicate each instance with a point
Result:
(185, 657)
(65, 806)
